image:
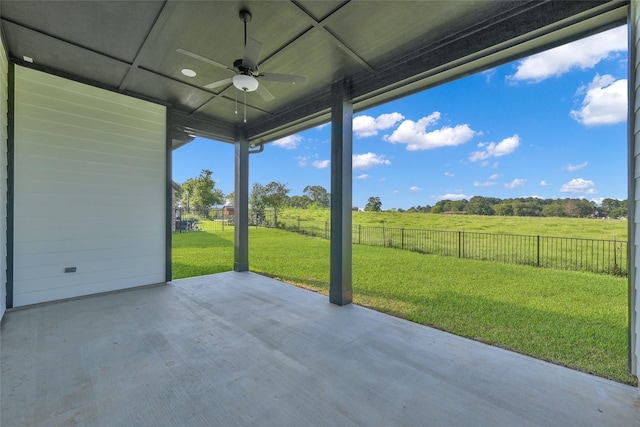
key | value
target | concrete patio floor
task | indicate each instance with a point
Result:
(241, 349)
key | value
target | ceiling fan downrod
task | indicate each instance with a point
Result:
(245, 16)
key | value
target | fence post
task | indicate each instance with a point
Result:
(384, 237)
(326, 229)
(359, 234)
(402, 244)
(459, 244)
(615, 259)
(538, 253)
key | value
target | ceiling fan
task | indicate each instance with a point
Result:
(246, 69)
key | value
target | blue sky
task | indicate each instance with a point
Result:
(552, 125)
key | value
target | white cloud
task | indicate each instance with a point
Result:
(544, 183)
(578, 185)
(581, 54)
(382, 179)
(605, 102)
(415, 188)
(451, 196)
(598, 200)
(290, 142)
(573, 168)
(415, 134)
(363, 176)
(449, 174)
(320, 164)
(302, 161)
(518, 182)
(368, 160)
(491, 149)
(495, 176)
(364, 126)
(484, 184)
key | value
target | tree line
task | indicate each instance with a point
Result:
(528, 206)
(200, 193)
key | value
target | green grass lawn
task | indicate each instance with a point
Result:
(561, 227)
(570, 318)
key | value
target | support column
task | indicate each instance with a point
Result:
(340, 291)
(633, 201)
(241, 204)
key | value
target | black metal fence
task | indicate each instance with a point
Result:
(214, 219)
(598, 256)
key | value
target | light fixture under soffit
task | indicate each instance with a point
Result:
(245, 83)
(188, 72)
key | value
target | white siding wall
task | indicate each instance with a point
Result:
(634, 183)
(89, 189)
(4, 67)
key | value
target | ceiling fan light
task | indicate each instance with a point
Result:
(245, 83)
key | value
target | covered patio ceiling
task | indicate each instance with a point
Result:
(381, 49)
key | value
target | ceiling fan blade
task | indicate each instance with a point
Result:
(251, 54)
(264, 93)
(203, 59)
(219, 83)
(284, 78)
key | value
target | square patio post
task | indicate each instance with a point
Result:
(633, 201)
(241, 202)
(340, 291)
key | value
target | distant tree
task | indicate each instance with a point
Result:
(527, 206)
(457, 206)
(200, 193)
(585, 208)
(614, 208)
(503, 209)
(619, 213)
(479, 205)
(450, 206)
(258, 204)
(276, 196)
(230, 199)
(318, 195)
(302, 202)
(555, 209)
(424, 209)
(373, 205)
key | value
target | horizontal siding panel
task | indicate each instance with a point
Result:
(103, 162)
(87, 272)
(86, 258)
(89, 189)
(50, 86)
(67, 134)
(123, 244)
(100, 286)
(103, 128)
(134, 235)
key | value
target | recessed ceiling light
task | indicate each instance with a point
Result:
(189, 73)
(27, 59)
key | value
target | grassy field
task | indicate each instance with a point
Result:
(570, 318)
(560, 227)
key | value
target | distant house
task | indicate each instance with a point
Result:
(227, 210)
